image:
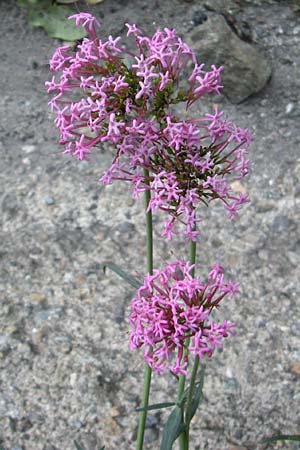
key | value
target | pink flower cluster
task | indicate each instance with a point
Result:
(171, 313)
(105, 93)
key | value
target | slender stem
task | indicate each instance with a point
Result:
(190, 394)
(184, 437)
(148, 370)
(193, 255)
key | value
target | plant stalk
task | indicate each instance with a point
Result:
(184, 437)
(148, 370)
(190, 395)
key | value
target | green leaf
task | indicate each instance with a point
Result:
(173, 429)
(54, 19)
(78, 446)
(2, 448)
(198, 395)
(134, 282)
(281, 437)
(156, 406)
(28, 3)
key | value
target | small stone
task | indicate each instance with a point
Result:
(294, 368)
(77, 424)
(49, 201)
(28, 148)
(38, 297)
(38, 334)
(263, 206)
(47, 314)
(4, 345)
(12, 330)
(289, 108)
(68, 277)
(296, 30)
(281, 223)
(63, 344)
(294, 258)
(231, 385)
(73, 379)
(199, 17)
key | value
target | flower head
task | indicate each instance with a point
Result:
(173, 308)
(105, 93)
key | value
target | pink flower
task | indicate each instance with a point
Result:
(171, 308)
(100, 98)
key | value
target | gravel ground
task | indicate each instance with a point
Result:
(66, 370)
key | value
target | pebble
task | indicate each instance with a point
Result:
(4, 345)
(199, 17)
(73, 379)
(28, 148)
(263, 206)
(296, 30)
(294, 368)
(294, 258)
(38, 297)
(281, 223)
(289, 108)
(231, 385)
(63, 343)
(48, 314)
(49, 201)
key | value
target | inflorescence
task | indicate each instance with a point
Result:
(106, 93)
(171, 314)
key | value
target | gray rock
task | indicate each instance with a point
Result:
(246, 70)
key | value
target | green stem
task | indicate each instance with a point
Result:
(184, 437)
(148, 370)
(190, 395)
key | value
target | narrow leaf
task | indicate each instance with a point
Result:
(173, 428)
(156, 406)
(134, 282)
(65, 2)
(282, 437)
(198, 395)
(78, 446)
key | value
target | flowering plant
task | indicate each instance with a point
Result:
(105, 94)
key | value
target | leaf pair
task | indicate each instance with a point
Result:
(176, 425)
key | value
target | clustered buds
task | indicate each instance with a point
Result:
(106, 93)
(171, 314)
